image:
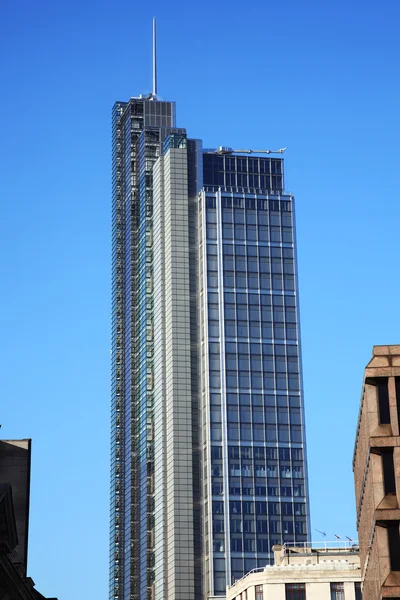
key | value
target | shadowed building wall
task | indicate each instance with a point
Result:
(15, 469)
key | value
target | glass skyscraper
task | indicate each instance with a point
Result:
(208, 465)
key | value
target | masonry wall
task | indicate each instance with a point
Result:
(317, 580)
(376, 468)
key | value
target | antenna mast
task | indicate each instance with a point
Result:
(154, 58)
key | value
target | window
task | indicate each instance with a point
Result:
(259, 592)
(295, 591)
(357, 589)
(337, 591)
(394, 545)
(388, 471)
(383, 400)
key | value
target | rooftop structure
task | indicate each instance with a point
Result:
(328, 571)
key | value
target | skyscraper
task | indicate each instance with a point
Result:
(208, 466)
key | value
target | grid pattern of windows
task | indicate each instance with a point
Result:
(253, 173)
(254, 375)
(295, 591)
(136, 142)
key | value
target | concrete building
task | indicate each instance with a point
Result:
(308, 572)
(376, 468)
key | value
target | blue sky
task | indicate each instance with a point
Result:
(320, 78)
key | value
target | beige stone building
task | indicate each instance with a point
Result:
(311, 572)
(377, 475)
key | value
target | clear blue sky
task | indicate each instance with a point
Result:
(318, 77)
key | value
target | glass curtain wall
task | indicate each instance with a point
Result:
(139, 127)
(252, 371)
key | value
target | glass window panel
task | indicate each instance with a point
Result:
(216, 433)
(215, 379)
(295, 591)
(270, 432)
(277, 283)
(245, 432)
(287, 237)
(258, 433)
(215, 415)
(215, 399)
(233, 433)
(227, 231)
(211, 232)
(266, 331)
(283, 433)
(337, 591)
(357, 590)
(227, 216)
(289, 283)
(233, 416)
(295, 434)
(252, 233)
(228, 263)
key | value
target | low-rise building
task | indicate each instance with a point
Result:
(309, 572)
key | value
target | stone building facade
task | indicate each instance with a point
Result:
(304, 572)
(376, 468)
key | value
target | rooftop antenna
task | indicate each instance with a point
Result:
(154, 59)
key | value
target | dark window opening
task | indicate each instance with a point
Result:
(259, 592)
(295, 591)
(357, 589)
(383, 400)
(394, 545)
(337, 591)
(397, 382)
(388, 471)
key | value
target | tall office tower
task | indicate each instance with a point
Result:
(254, 470)
(376, 468)
(139, 127)
(208, 463)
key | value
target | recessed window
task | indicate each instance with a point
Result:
(383, 400)
(259, 592)
(388, 471)
(357, 590)
(295, 591)
(394, 545)
(337, 591)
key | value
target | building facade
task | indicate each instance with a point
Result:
(208, 463)
(376, 468)
(15, 471)
(254, 488)
(305, 572)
